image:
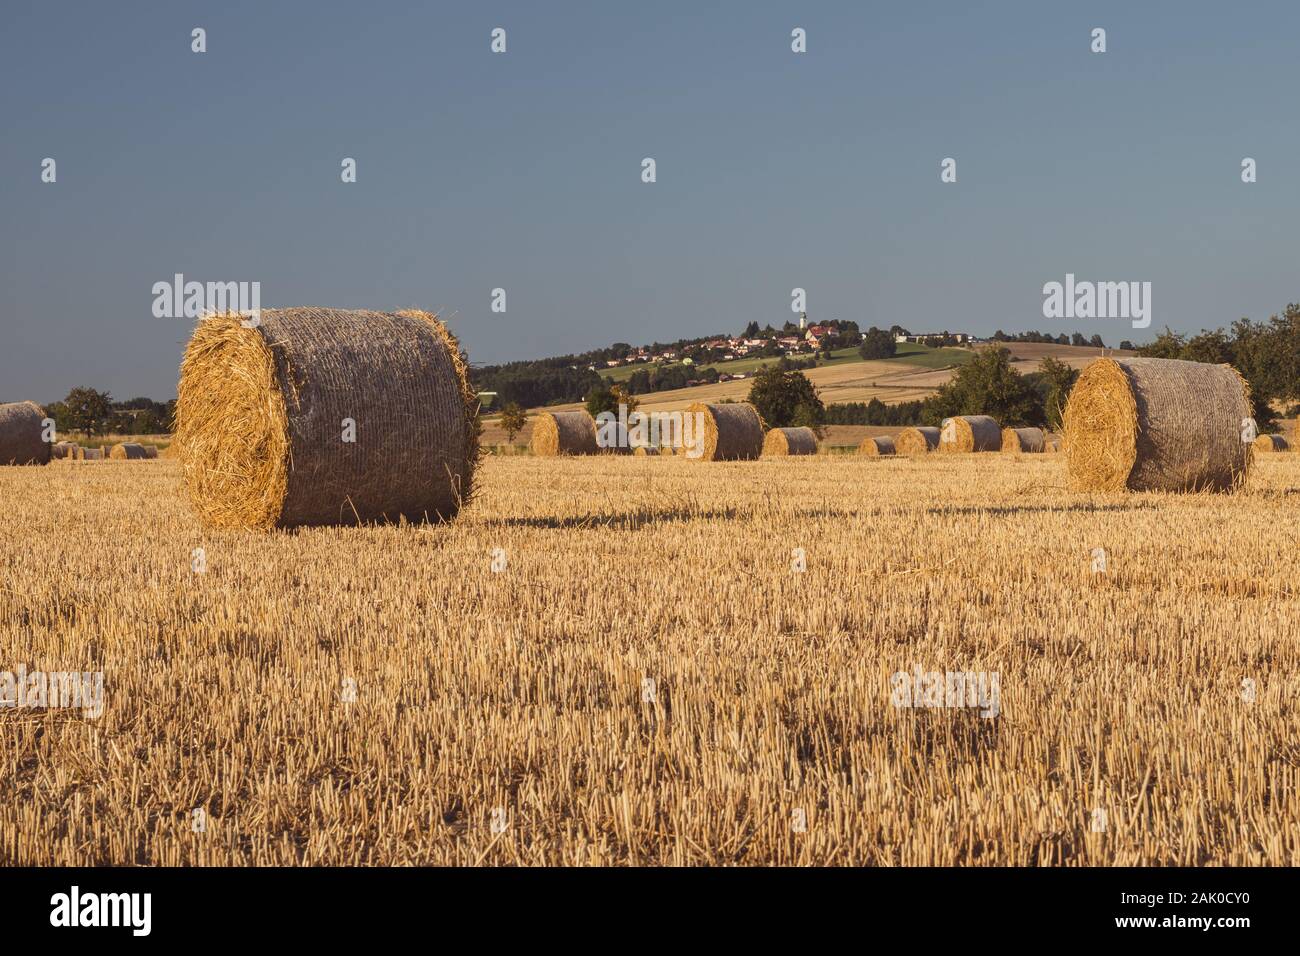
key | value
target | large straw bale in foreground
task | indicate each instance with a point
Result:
(127, 451)
(781, 442)
(564, 433)
(967, 433)
(917, 441)
(1157, 425)
(1023, 440)
(22, 435)
(1271, 443)
(733, 431)
(877, 447)
(260, 419)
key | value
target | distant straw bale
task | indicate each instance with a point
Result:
(878, 447)
(782, 442)
(127, 451)
(564, 433)
(917, 441)
(1271, 443)
(1150, 424)
(1023, 440)
(970, 433)
(733, 431)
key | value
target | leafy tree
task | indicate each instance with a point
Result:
(601, 399)
(1168, 344)
(1096, 342)
(1058, 379)
(87, 410)
(751, 331)
(513, 420)
(988, 385)
(1126, 346)
(877, 344)
(778, 396)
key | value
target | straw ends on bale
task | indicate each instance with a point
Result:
(22, 435)
(1023, 440)
(1149, 424)
(917, 441)
(732, 431)
(563, 433)
(325, 416)
(878, 447)
(783, 442)
(970, 433)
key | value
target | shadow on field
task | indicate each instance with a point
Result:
(634, 520)
(1036, 509)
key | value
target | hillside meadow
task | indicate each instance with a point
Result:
(615, 660)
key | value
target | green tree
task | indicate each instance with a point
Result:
(778, 396)
(87, 410)
(513, 420)
(1058, 379)
(988, 385)
(877, 344)
(601, 399)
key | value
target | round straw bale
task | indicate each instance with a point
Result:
(963, 433)
(1157, 425)
(127, 450)
(877, 447)
(173, 450)
(325, 416)
(1017, 440)
(564, 433)
(1271, 443)
(92, 454)
(22, 435)
(733, 431)
(62, 449)
(781, 442)
(150, 451)
(917, 441)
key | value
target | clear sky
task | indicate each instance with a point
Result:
(522, 170)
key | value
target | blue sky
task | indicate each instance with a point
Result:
(522, 170)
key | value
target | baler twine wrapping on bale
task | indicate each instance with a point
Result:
(127, 451)
(262, 416)
(564, 433)
(732, 432)
(877, 447)
(1271, 443)
(917, 441)
(783, 442)
(1157, 425)
(970, 433)
(1028, 440)
(22, 435)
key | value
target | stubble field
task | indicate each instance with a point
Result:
(648, 680)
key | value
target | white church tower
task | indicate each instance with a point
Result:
(803, 321)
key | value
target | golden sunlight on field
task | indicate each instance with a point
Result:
(647, 677)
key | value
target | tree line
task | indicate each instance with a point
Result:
(93, 412)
